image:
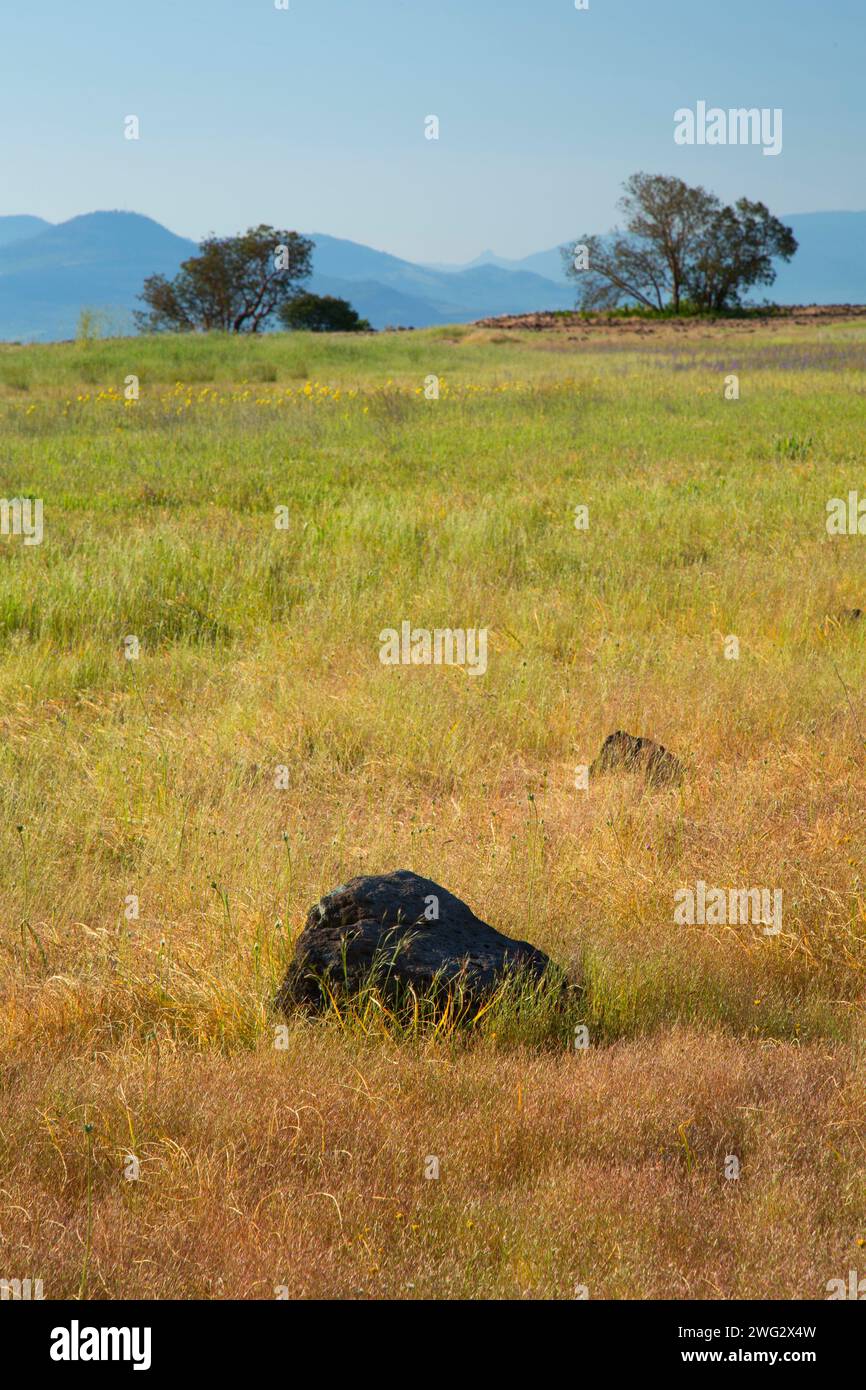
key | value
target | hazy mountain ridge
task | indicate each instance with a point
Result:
(829, 267)
(14, 229)
(100, 260)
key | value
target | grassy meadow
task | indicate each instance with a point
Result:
(300, 1168)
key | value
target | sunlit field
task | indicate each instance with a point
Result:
(219, 558)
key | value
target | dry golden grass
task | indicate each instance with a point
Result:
(304, 1169)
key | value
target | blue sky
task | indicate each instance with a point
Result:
(314, 117)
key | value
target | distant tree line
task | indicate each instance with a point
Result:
(681, 248)
(243, 284)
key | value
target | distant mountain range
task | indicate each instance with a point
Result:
(829, 267)
(99, 261)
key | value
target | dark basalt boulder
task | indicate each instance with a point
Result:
(399, 930)
(621, 750)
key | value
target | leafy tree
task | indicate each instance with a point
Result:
(322, 313)
(679, 244)
(738, 252)
(235, 284)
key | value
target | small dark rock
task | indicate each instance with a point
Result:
(382, 928)
(638, 755)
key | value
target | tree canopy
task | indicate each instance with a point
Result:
(236, 284)
(679, 245)
(321, 313)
